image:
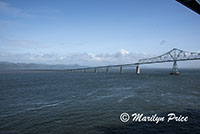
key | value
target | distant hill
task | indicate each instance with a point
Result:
(8, 65)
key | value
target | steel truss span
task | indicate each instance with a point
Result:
(173, 55)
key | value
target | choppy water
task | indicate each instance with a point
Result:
(91, 103)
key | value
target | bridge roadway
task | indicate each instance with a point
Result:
(173, 55)
(131, 64)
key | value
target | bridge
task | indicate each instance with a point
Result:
(173, 55)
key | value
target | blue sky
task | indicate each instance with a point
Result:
(49, 31)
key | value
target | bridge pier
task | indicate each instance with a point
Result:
(107, 69)
(95, 70)
(85, 70)
(137, 69)
(121, 70)
(175, 69)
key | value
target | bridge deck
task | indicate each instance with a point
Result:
(131, 64)
(171, 56)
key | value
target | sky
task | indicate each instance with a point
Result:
(94, 32)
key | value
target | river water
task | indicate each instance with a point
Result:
(91, 103)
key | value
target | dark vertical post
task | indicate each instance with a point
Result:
(137, 69)
(107, 69)
(175, 69)
(121, 70)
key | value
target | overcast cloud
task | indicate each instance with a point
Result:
(89, 59)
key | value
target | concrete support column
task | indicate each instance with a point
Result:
(175, 69)
(85, 70)
(137, 69)
(107, 69)
(95, 70)
(121, 70)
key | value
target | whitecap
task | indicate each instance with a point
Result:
(125, 97)
(43, 106)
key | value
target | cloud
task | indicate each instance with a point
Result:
(88, 59)
(123, 52)
(5, 22)
(35, 12)
(21, 43)
(9, 45)
(6, 8)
